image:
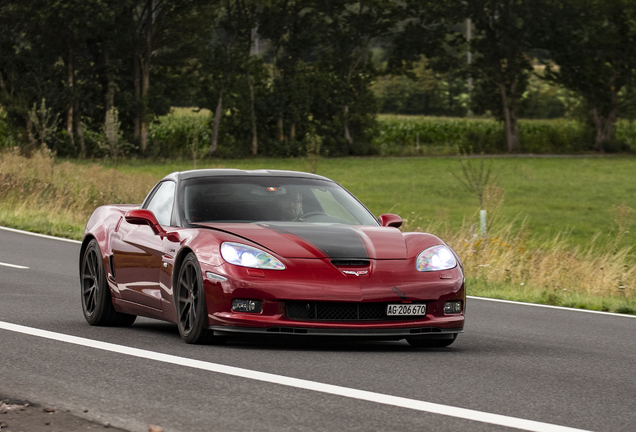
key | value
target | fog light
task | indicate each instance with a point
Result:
(242, 305)
(452, 307)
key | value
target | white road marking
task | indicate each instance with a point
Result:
(434, 408)
(553, 307)
(13, 265)
(39, 235)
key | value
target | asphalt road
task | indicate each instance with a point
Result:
(521, 362)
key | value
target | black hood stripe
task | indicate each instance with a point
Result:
(334, 241)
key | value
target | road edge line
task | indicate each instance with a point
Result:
(552, 307)
(39, 235)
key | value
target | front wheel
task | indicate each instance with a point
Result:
(189, 299)
(97, 304)
(432, 342)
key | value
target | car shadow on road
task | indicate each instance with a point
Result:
(294, 342)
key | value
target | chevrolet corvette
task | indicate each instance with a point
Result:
(224, 252)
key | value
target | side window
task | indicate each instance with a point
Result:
(162, 202)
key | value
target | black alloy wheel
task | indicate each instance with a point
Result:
(97, 304)
(189, 299)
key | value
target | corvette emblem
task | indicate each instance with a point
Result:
(355, 273)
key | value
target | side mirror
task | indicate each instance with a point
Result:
(146, 217)
(390, 220)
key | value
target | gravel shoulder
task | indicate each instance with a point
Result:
(24, 416)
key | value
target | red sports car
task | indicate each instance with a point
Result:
(224, 252)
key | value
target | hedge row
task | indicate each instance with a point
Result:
(183, 131)
(419, 135)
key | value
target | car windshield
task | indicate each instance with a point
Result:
(265, 199)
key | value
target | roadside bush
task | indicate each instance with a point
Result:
(171, 135)
(626, 133)
(7, 138)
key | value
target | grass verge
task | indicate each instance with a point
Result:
(508, 291)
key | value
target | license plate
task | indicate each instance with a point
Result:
(405, 309)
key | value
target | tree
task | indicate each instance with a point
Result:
(227, 55)
(48, 55)
(44, 123)
(112, 134)
(426, 48)
(158, 25)
(592, 51)
(293, 29)
(247, 11)
(24, 67)
(503, 31)
(62, 29)
(351, 28)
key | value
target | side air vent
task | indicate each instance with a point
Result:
(350, 263)
(112, 266)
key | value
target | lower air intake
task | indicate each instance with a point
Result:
(338, 311)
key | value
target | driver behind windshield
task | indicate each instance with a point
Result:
(291, 206)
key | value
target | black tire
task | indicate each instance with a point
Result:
(97, 304)
(189, 300)
(432, 342)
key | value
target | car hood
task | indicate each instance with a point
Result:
(307, 240)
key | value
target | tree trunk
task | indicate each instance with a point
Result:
(253, 114)
(280, 123)
(604, 127)
(137, 84)
(2, 86)
(346, 125)
(250, 84)
(30, 136)
(510, 121)
(215, 125)
(281, 130)
(345, 117)
(143, 138)
(71, 88)
(107, 83)
(145, 77)
(77, 123)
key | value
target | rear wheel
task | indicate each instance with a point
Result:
(189, 299)
(440, 341)
(97, 303)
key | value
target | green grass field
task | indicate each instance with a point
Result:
(577, 195)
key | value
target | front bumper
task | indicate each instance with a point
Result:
(398, 333)
(387, 282)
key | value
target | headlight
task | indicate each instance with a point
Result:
(435, 258)
(247, 256)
